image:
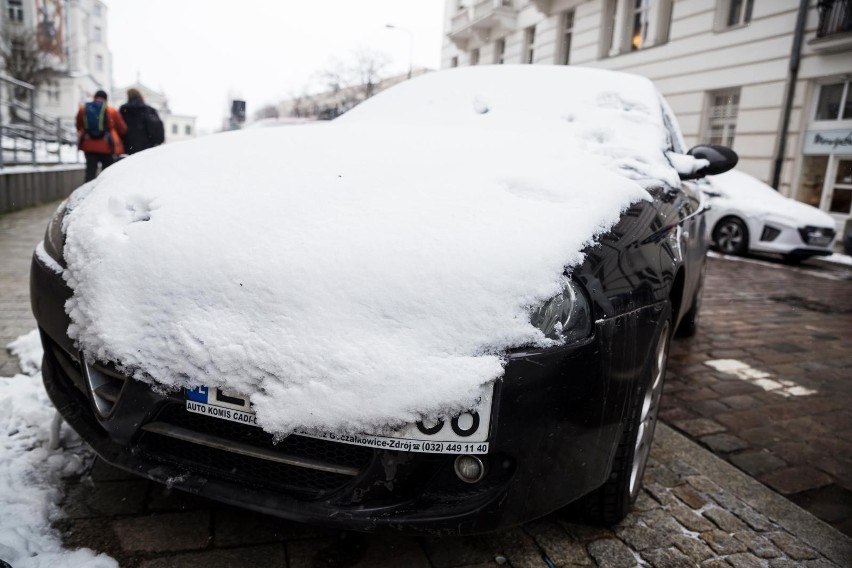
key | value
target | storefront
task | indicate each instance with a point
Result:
(826, 173)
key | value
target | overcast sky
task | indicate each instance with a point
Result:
(202, 53)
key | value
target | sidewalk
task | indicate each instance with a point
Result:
(695, 509)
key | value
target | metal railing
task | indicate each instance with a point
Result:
(25, 132)
(835, 17)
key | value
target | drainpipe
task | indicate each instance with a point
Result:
(792, 77)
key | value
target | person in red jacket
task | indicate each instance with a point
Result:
(99, 131)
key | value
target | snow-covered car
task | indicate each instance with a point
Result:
(447, 311)
(747, 215)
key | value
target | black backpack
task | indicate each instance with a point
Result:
(154, 127)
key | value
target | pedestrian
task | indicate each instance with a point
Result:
(144, 127)
(99, 131)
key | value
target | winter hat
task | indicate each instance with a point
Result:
(101, 94)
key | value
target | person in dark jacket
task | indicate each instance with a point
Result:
(144, 127)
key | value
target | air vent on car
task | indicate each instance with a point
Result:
(105, 384)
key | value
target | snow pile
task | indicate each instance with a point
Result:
(31, 475)
(366, 272)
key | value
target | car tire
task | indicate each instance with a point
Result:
(610, 503)
(731, 236)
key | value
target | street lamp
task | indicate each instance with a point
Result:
(410, 43)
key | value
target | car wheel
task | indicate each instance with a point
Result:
(610, 503)
(731, 236)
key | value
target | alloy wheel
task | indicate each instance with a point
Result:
(730, 237)
(648, 413)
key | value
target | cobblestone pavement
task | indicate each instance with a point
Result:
(765, 383)
(695, 509)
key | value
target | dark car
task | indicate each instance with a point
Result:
(571, 419)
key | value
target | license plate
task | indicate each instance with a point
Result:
(466, 433)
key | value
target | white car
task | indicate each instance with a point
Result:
(748, 215)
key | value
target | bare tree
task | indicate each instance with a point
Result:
(24, 59)
(369, 67)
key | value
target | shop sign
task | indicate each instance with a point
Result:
(828, 142)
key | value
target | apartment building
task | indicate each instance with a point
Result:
(73, 35)
(750, 74)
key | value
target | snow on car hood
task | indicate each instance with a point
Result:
(350, 275)
(750, 195)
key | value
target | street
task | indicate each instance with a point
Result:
(763, 386)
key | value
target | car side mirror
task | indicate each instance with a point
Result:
(721, 160)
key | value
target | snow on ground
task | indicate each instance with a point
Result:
(838, 258)
(366, 272)
(31, 474)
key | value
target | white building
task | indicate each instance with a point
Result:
(725, 67)
(74, 34)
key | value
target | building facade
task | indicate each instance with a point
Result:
(732, 70)
(73, 36)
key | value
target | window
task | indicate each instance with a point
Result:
(565, 39)
(631, 25)
(96, 34)
(739, 12)
(500, 51)
(834, 102)
(99, 62)
(15, 9)
(640, 17)
(174, 129)
(841, 196)
(529, 45)
(18, 51)
(722, 117)
(474, 56)
(97, 9)
(454, 62)
(187, 129)
(51, 90)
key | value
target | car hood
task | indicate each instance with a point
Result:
(344, 277)
(742, 192)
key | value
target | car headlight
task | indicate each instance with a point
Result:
(565, 317)
(54, 237)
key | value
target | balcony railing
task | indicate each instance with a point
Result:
(835, 17)
(481, 18)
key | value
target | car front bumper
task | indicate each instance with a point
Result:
(557, 417)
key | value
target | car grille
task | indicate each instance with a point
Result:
(248, 455)
(817, 236)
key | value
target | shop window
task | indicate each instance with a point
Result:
(474, 56)
(841, 196)
(174, 128)
(721, 116)
(834, 102)
(187, 129)
(633, 25)
(813, 179)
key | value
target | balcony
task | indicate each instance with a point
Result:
(483, 20)
(834, 29)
